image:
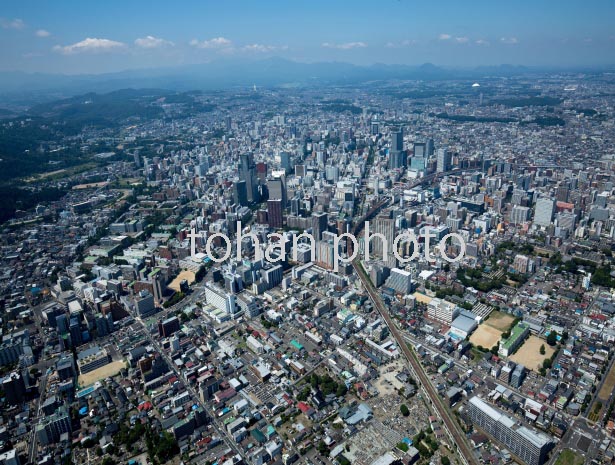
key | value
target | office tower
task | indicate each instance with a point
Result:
(274, 213)
(75, 332)
(386, 227)
(332, 173)
(396, 153)
(62, 323)
(566, 220)
(167, 327)
(319, 225)
(430, 147)
(562, 193)
(420, 150)
(519, 214)
(401, 281)
(529, 445)
(544, 211)
(228, 123)
(277, 189)
(375, 128)
(247, 173)
(240, 193)
(14, 388)
(443, 161)
(285, 162)
(261, 171)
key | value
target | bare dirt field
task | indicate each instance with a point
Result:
(499, 320)
(528, 354)
(485, 336)
(107, 371)
(91, 185)
(185, 274)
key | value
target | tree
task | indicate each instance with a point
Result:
(542, 349)
(552, 338)
(404, 410)
(403, 446)
(445, 460)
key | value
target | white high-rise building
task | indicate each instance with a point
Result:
(544, 212)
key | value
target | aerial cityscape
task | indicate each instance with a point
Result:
(290, 234)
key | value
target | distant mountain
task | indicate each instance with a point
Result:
(20, 88)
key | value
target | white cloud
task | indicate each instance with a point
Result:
(215, 43)
(345, 46)
(42, 33)
(12, 23)
(152, 42)
(260, 48)
(509, 40)
(403, 43)
(89, 45)
(444, 36)
(482, 42)
(461, 40)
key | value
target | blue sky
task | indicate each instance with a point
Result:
(94, 37)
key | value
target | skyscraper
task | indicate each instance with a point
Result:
(240, 193)
(443, 161)
(285, 161)
(420, 149)
(386, 227)
(277, 189)
(274, 213)
(247, 173)
(544, 212)
(396, 154)
(319, 224)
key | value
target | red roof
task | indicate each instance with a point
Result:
(145, 406)
(303, 407)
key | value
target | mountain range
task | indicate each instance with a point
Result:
(27, 88)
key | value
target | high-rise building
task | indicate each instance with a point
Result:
(247, 173)
(319, 224)
(275, 216)
(401, 281)
(285, 161)
(51, 427)
(442, 311)
(276, 188)
(220, 299)
(529, 445)
(397, 156)
(386, 227)
(240, 193)
(544, 211)
(443, 162)
(519, 214)
(420, 150)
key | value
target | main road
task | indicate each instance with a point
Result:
(451, 425)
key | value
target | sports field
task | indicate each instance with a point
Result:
(499, 320)
(101, 373)
(529, 355)
(185, 274)
(485, 336)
